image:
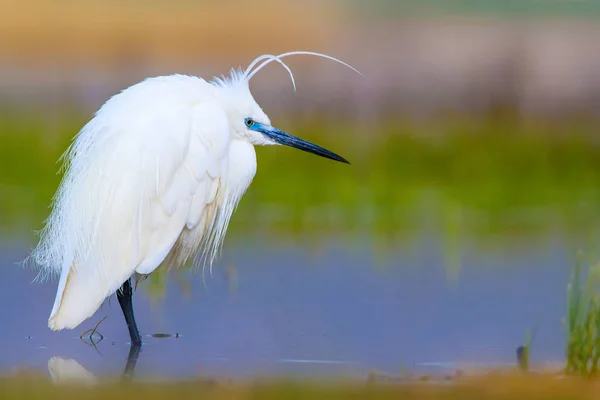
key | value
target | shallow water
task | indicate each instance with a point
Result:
(294, 311)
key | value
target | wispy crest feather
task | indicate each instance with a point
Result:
(240, 75)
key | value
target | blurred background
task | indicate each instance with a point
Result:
(474, 181)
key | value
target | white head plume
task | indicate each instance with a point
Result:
(246, 75)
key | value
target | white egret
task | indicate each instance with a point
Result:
(151, 182)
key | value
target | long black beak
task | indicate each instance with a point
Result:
(288, 140)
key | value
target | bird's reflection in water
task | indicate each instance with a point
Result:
(70, 371)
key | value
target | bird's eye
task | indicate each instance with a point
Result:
(249, 122)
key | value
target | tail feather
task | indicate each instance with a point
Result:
(62, 284)
(78, 297)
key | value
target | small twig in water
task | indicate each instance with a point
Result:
(93, 344)
(93, 331)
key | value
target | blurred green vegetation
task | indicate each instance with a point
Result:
(475, 178)
(493, 386)
(515, 8)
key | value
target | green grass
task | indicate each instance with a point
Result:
(583, 328)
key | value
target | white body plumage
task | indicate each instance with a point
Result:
(152, 181)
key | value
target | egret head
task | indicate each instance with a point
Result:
(248, 121)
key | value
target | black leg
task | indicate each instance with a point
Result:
(124, 296)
